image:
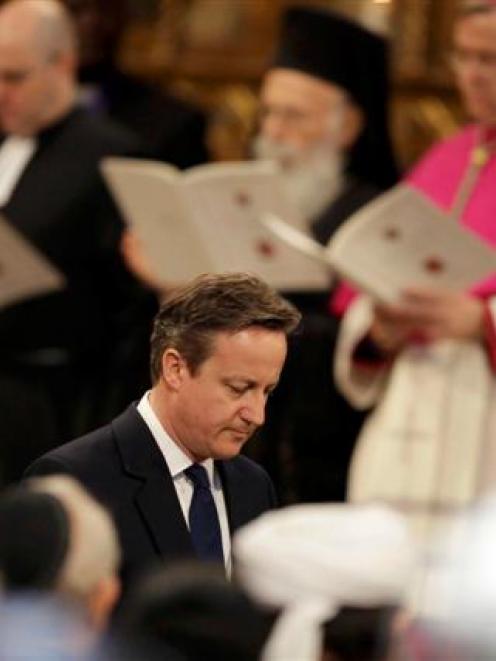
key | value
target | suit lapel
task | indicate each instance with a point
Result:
(156, 498)
(159, 506)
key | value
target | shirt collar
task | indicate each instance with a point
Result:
(176, 459)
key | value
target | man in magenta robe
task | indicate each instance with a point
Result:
(428, 362)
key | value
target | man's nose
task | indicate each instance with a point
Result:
(254, 409)
(273, 127)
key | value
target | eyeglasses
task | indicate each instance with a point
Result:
(290, 116)
(461, 58)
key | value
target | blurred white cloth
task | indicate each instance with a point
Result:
(429, 446)
(310, 560)
(458, 581)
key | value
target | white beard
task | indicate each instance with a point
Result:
(312, 179)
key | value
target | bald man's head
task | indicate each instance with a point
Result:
(37, 64)
(44, 24)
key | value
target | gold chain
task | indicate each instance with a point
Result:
(479, 156)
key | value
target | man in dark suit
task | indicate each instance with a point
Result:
(55, 350)
(217, 350)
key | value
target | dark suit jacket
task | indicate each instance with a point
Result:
(99, 321)
(122, 466)
(61, 205)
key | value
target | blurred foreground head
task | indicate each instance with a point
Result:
(194, 610)
(338, 572)
(55, 537)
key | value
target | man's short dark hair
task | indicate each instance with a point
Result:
(229, 302)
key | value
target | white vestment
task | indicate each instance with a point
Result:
(429, 447)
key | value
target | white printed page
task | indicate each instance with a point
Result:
(150, 198)
(24, 271)
(402, 239)
(226, 202)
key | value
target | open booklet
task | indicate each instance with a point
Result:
(24, 271)
(206, 220)
(400, 239)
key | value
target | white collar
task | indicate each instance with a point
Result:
(176, 459)
(15, 153)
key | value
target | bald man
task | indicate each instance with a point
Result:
(56, 349)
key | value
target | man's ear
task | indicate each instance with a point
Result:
(353, 122)
(174, 368)
(67, 63)
(102, 600)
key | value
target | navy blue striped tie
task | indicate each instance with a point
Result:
(204, 523)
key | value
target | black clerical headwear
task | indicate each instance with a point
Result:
(326, 45)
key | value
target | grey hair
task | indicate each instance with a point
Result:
(94, 551)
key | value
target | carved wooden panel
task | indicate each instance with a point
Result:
(421, 36)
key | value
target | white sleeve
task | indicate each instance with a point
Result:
(361, 385)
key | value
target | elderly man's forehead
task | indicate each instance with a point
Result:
(299, 87)
(474, 36)
(480, 23)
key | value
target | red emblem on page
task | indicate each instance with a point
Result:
(391, 233)
(242, 199)
(434, 265)
(265, 248)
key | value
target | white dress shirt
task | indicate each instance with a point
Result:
(177, 462)
(15, 154)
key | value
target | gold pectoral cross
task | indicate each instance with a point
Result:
(480, 156)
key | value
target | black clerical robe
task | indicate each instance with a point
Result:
(54, 346)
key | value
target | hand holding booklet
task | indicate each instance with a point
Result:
(207, 220)
(399, 240)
